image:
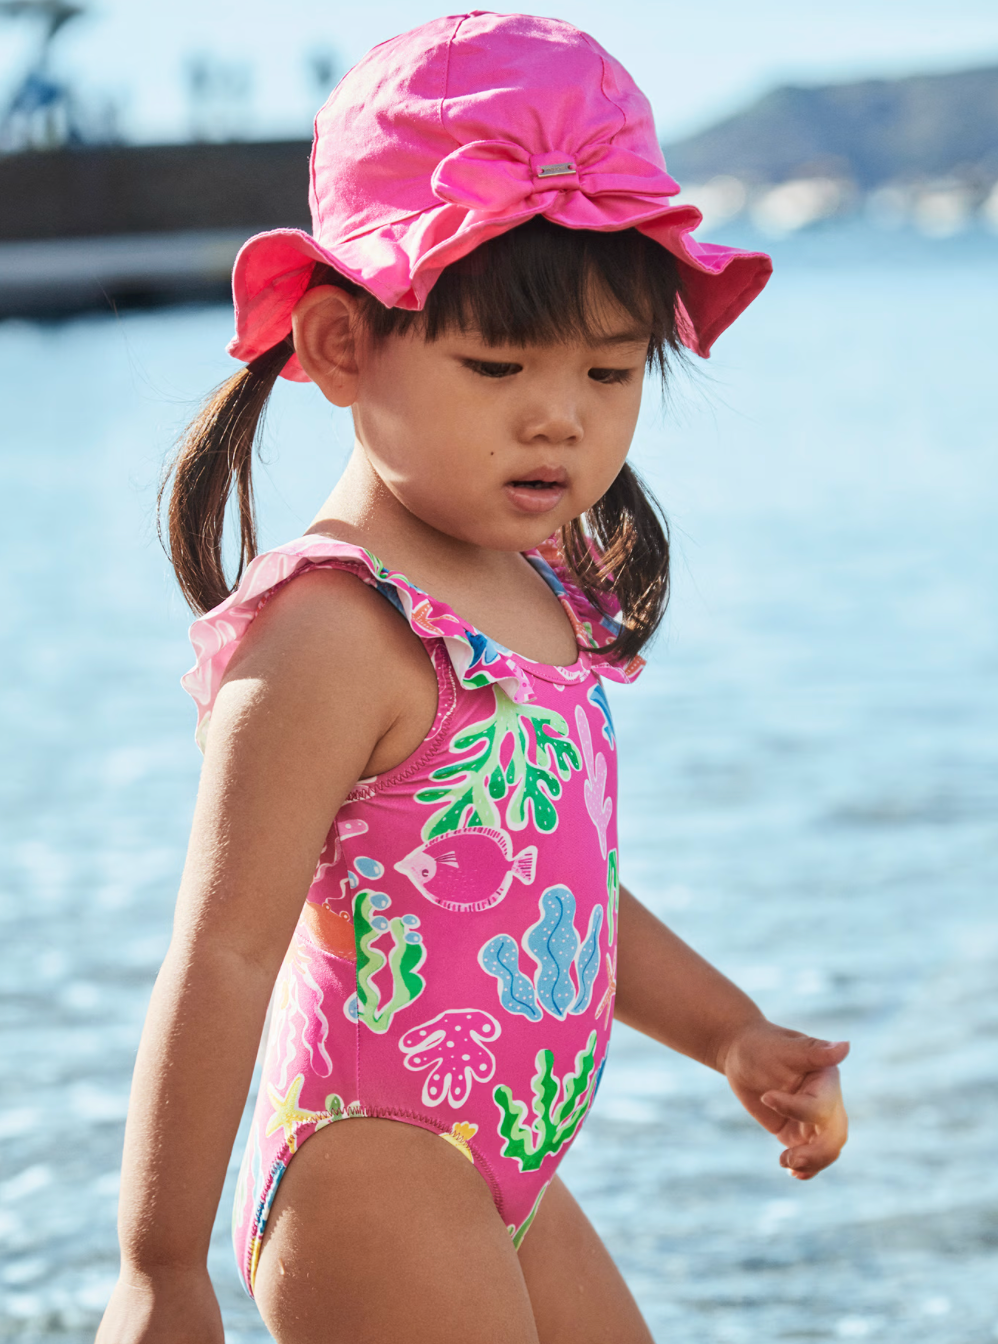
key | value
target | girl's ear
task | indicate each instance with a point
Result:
(326, 329)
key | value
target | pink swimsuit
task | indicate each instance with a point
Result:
(453, 966)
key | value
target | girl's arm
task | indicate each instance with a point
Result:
(295, 724)
(785, 1080)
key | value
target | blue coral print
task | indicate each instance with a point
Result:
(554, 945)
(500, 957)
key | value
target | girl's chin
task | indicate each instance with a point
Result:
(531, 500)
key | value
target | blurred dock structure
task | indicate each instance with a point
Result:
(87, 221)
(87, 226)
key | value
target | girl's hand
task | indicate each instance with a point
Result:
(790, 1084)
(162, 1309)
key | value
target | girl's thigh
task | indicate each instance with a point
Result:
(382, 1233)
(576, 1291)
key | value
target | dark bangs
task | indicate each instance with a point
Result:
(541, 284)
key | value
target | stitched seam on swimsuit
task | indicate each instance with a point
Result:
(436, 738)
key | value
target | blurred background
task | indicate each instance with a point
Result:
(810, 762)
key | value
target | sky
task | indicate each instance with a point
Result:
(697, 62)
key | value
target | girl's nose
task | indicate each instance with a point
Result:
(554, 420)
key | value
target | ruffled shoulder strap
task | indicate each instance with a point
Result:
(476, 659)
(594, 629)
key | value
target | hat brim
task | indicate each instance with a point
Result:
(273, 269)
(271, 273)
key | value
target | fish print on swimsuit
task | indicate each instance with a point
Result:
(470, 869)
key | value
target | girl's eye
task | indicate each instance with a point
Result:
(611, 375)
(489, 369)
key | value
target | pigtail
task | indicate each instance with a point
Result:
(620, 547)
(215, 456)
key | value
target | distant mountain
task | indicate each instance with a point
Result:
(873, 132)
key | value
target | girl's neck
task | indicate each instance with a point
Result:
(497, 592)
(363, 511)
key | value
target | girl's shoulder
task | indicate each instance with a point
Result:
(476, 659)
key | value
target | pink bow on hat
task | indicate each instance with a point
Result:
(495, 176)
(458, 131)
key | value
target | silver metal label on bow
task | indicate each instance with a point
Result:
(555, 169)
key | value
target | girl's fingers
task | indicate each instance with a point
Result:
(814, 1054)
(820, 1151)
(805, 1162)
(796, 1106)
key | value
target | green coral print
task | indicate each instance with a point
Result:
(612, 893)
(518, 1233)
(542, 755)
(405, 957)
(556, 1120)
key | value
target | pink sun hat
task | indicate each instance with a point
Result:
(454, 133)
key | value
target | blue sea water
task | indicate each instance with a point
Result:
(809, 790)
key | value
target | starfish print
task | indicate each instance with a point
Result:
(287, 1115)
(606, 1002)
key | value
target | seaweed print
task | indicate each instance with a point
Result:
(518, 1233)
(541, 756)
(332, 850)
(403, 960)
(597, 697)
(554, 944)
(298, 1017)
(598, 806)
(612, 893)
(452, 1046)
(559, 1106)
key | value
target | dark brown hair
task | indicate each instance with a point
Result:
(535, 284)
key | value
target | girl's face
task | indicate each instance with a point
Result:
(499, 446)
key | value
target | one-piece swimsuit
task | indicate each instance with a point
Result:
(454, 963)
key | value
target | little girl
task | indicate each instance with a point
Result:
(407, 813)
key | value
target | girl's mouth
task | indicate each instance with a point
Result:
(540, 491)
